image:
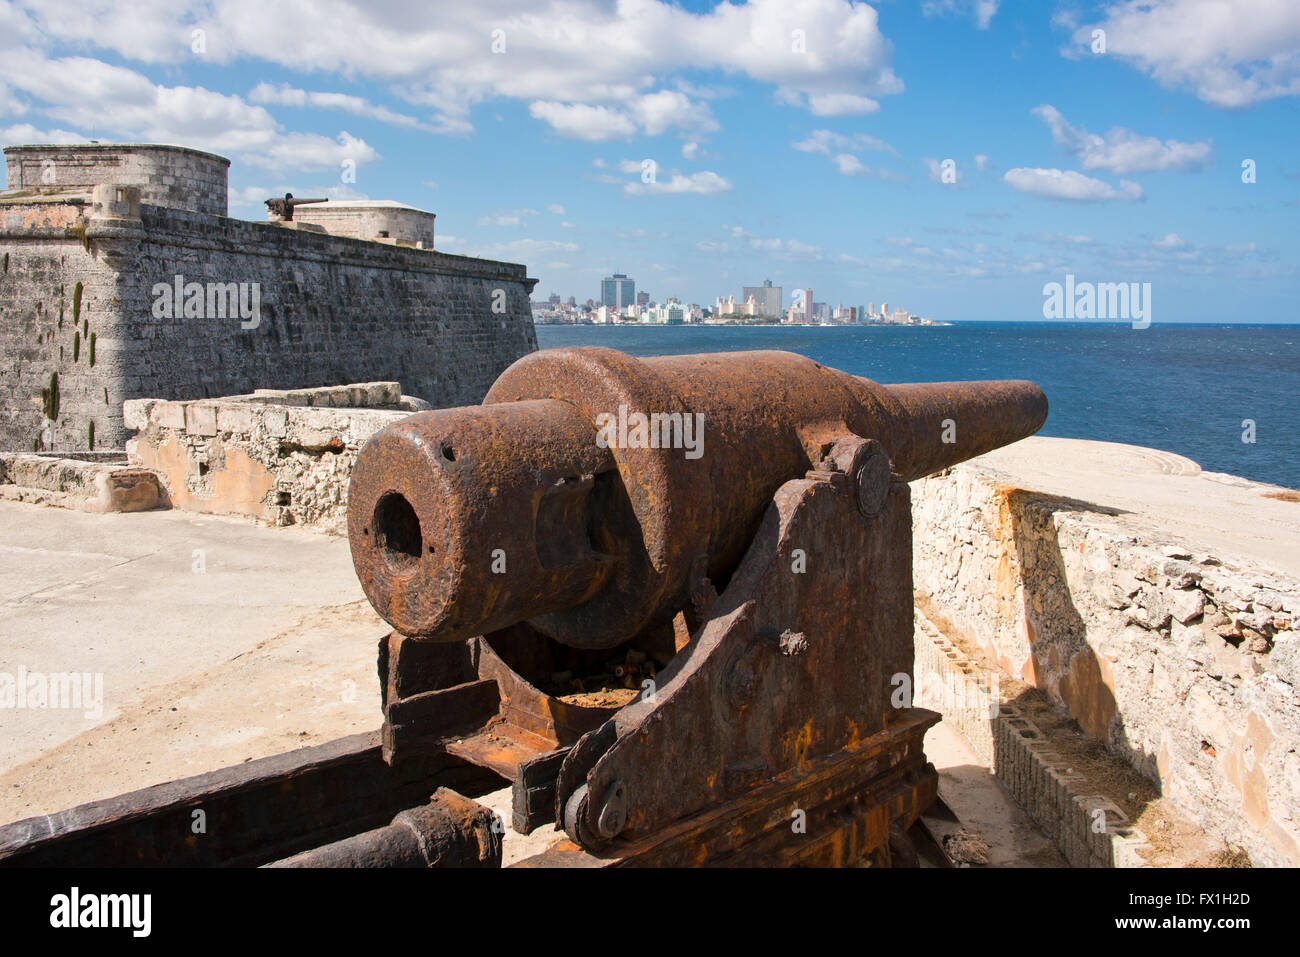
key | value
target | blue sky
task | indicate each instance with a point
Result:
(799, 141)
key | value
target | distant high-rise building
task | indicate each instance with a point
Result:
(808, 312)
(871, 309)
(767, 298)
(884, 310)
(643, 299)
(617, 291)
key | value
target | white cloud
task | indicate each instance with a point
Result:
(705, 182)
(1171, 241)
(840, 104)
(850, 165)
(824, 141)
(555, 208)
(311, 151)
(510, 217)
(981, 162)
(1121, 151)
(88, 94)
(286, 95)
(657, 112)
(562, 52)
(982, 11)
(1231, 53)
(21, 133)
(595, 124)
(690, 150)
(1067, 184)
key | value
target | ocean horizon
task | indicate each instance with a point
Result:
(1197, 389)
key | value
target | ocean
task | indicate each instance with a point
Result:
(1182, 388)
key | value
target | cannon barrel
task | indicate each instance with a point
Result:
(591, 492)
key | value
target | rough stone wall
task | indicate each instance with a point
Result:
(279, 464)
(58, 304)
(170, 176)
(332, 310)
(1182, 664)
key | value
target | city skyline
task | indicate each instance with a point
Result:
(1165, 152)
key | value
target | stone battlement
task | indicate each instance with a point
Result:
(172, 176)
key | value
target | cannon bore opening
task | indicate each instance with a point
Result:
(397, 532)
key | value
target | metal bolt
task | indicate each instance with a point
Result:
(872, 481)
(613, 815)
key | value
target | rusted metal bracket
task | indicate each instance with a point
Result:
(793, 671)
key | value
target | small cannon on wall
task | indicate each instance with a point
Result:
(280, 208)
(668, 598)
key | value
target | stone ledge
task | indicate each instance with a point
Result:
(71, 483)
(283, 457)
(1020, 756)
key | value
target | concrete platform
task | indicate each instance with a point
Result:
(214, 641)
(1232, 517)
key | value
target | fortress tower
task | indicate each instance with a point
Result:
(121, 276)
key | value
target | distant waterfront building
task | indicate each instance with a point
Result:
(643, 299)
(767, 298)
(617, 291)
(808, 311)
(884, 310)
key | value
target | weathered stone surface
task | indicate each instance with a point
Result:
(279, 464)
(69, 483)
(1184, 663)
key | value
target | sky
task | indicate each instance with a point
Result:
(951, 157)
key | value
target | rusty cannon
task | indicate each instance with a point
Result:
(669, 598)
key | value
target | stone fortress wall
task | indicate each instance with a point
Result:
(90, 314)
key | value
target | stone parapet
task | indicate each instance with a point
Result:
(1183, 662)
(282, 464)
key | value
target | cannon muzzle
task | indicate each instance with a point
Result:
(591, 493)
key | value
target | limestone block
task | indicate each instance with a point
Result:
(200, 419)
